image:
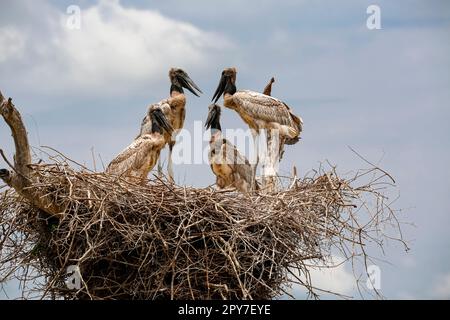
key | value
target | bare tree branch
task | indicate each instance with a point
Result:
(21, 178)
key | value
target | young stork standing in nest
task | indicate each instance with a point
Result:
(138, 159)
(173, 108)
(230, 167)
(261, 112)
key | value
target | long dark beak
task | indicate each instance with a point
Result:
(220, 89)
(189, 84)
(162, 121)
(213, 115)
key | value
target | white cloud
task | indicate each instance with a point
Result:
(333, 277)
(441, 288)
(12, 43)
(116, 49)
(131, 44)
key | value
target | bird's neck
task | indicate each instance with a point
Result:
(215, 122)
(215, 126)
(216, 134)
(228, 101)
(230, 88)
(175, 90)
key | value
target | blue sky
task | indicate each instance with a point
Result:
(383, 92)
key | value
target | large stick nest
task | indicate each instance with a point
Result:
(162, 241)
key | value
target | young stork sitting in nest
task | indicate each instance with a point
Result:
(138, 159)
(230, 167)
(173, 108)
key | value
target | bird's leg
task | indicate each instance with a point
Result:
(169, 162)
(276, 149)
(266, 163)
(160, 173)
(277, 146)
(256, 151)
(270, 170)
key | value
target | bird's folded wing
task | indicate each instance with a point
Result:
(266, 108)
(261, 107)
(237, 161)
(132, 157)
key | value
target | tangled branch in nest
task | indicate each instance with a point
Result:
(165, 241)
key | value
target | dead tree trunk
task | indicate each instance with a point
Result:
(21, 177)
